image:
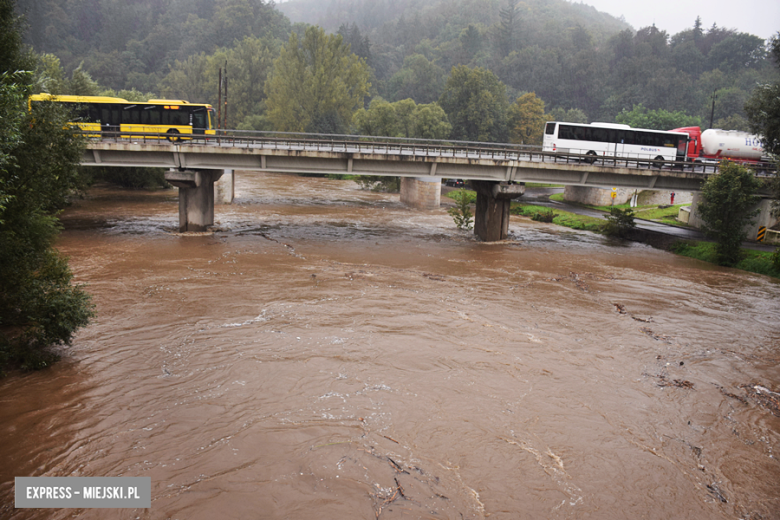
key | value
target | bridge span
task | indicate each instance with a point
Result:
(495, 169)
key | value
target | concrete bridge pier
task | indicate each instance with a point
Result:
(421, 192)
(491, 221)
(196, 197)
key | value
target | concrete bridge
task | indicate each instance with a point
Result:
(496, 170)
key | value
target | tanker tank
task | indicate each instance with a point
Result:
(731, 144)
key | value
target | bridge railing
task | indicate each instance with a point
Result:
(402, 146)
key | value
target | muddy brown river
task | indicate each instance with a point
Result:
(331, 354)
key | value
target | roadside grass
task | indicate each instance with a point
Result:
(471, 194)
(562, 218)
(759, 262)
(666, 215)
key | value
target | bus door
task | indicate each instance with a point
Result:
(199, 120)
(110, 119)
(618, 140)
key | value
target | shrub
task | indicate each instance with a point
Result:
(619, 222)
(461, 213)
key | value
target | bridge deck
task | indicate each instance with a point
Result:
(407, 158)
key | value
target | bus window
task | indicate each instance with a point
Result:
(131, 115)
(199, 119)
(179, 117)
(150, 116)
(549, 129)
(94, 113)
(110, 115)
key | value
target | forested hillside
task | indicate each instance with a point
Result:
(579, 63)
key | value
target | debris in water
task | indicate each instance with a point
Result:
(716, 492)
(765, 397)
(679, 383)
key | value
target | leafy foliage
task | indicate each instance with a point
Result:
(38, 172)
(526, 120)
(547, 215)
(641, 117)
(727, 208)
(619, 222)
(461, 213)
(763, 108)
(315, 78)
(570, 55)
(475, 101)
(402, 119)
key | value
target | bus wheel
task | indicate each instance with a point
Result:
(173, 135)
(591, 157)
(659, 158)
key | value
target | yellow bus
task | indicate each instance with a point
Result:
(174, 117)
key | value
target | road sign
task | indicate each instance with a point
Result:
(761, 234)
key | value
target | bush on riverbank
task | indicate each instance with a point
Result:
(760, 262)
(561, 218)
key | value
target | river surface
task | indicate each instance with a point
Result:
(331, 354)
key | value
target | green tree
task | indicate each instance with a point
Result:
(641, 117)
(526, 120)
(475, 103)
(763, 107)
(316, 77)
(378, 119)
(419, 79)
(38, 172)
(573, 115)
(727, 207)
(431, 122)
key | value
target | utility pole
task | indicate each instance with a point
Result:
(712, 113)
(224, 123)
(219, 100)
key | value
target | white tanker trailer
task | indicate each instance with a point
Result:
(716, 145)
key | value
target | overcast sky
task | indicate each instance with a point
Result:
(758, 17)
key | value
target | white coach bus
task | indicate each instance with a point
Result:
(612, 140)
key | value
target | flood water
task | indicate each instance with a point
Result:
(331, 354)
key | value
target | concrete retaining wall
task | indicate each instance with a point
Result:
(601, 197)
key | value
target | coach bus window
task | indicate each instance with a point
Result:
(549, 129)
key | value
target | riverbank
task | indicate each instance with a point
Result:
(754, 261)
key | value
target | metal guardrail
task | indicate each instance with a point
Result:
(402, 146)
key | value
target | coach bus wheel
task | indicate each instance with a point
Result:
(173, 135)
(591, 157)
(659, 158)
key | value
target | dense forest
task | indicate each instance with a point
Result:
(580, 64)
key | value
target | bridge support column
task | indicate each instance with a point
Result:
(224, 188)
(421, 192)
(491, 221)
(196, 197)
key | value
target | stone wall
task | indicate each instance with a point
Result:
(421, 193)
